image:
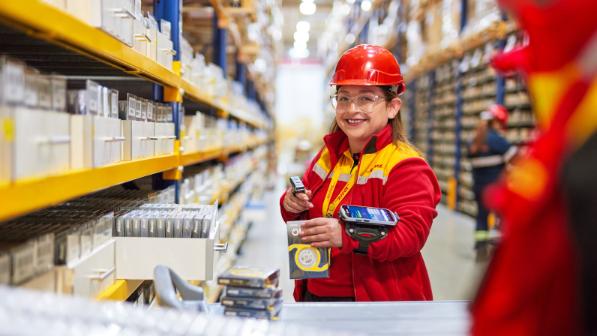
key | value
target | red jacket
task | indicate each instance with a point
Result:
(389, 176)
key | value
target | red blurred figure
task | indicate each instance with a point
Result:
(543, 278)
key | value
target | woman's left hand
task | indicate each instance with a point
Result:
(322, 232)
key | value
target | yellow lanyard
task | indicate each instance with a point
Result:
(329, 208)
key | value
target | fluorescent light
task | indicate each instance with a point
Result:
(300, 45)
(307, 8)
(303, 26)
(298, 53)
(366, 5)
(301, 36)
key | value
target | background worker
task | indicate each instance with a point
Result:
(366, 160)
(489, 151)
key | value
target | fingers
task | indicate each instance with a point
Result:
(322, 244)
(292, 207)
(313, 231)
(320, 221)
(316, 238)
(295, 204)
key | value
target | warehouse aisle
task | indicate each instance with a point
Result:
(448, 253)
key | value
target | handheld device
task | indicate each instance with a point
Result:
(297, 185)
(367, 224)
(368, 215)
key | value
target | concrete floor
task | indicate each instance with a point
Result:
(448, 252)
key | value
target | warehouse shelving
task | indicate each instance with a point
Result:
(40, 20)
(102, 53)
(187, 159)
(120, 290)
(25, 196)
(29, 195)
(456, 106)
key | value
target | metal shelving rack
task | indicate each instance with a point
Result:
(474, 89)
(37, 21)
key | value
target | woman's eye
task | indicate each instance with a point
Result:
(367, 99)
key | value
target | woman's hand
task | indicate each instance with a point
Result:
(297, 203)
(322, 232)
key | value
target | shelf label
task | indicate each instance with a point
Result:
(8, 129)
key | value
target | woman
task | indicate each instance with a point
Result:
(367, 161)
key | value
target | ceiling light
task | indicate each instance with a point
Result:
(366, 5)
(303, 26)
(301, 36)
(308, 8)
(300, 45)
(298, 53)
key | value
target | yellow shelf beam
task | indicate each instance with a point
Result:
(56, 26)
(25, 196)
(193, 92)
(198, 157)
(39, 20)
(120, 290)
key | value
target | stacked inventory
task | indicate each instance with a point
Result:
(251, 292)
(421, 119)
(103, 107)
(478, 93)
(70, 234)
(444, 125)
(473, 82)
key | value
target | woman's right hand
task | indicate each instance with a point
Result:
(297, 203)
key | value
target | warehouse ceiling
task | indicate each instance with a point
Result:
(317, 22)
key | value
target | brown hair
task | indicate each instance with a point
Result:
(397, 126)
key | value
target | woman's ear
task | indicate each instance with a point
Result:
(394, 107)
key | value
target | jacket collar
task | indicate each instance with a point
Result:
(337, 142)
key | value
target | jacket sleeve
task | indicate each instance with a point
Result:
(412, 191)
(287, 215)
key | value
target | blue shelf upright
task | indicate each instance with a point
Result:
(430, 117)
(170, 11)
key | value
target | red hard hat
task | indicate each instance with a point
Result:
(368, 64)
(499, 113)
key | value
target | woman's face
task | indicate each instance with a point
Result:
(362, 111)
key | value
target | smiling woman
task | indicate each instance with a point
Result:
(367, 161)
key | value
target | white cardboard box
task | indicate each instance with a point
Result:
(108, 141)
(96, 141)
(42, 143)
(95, 272)
(191, 258)
(90, 11)
(139, 139)
(165, 51)
(164, 135)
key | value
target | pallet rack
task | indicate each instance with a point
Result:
(91, 52)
